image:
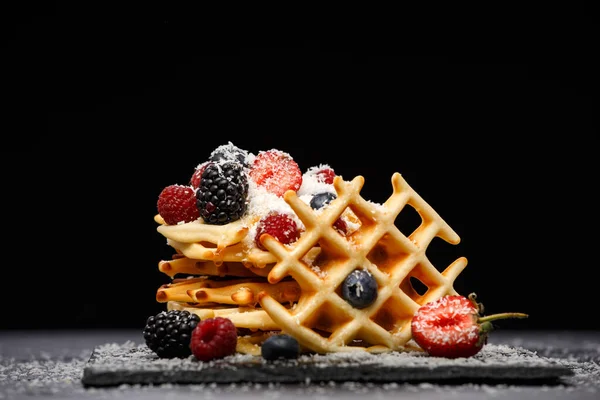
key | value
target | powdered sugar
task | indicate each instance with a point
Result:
(52, 377)
(261, 202)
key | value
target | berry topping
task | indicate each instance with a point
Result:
(320, 200)
(213, 338)
(359, 288)
(222, 194)
(325, 175)
(276, 171)
(280, 346)
(452, 327)
(177, 203)
(281, 226)
(197, 176)
(168, 333)
(229, 152)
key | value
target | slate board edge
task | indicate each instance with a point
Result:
(279, 372)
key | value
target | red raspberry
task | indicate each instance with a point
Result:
(195, 180)
(281, 226)
(213, 338)
(177, 203)
(325, 175)
(276, 171)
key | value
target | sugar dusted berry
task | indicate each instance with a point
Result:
(276, 171)
(359, 288)
(325, 175)
(197, 175)
(213, 338)
(168, 333)
(223, 192)
(281, 226)
(452, 326)
(320, 200)
(177, 203)
(229, 152)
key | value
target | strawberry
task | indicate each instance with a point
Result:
(452, 326)
(177, 203)
(276, 171)
(281, 226)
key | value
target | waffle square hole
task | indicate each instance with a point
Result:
(327, 318)
(414, 287)
(408, 220)
(323, 261)
(393, 315)
(387, 254)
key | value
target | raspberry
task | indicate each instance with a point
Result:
(276, 171)
(325, 175)
(177, 203)
(213, 338)
(281, 226)
(197, 176)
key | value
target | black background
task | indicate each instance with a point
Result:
(107, 105)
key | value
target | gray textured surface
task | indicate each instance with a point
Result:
(131, 364)
(50, 365)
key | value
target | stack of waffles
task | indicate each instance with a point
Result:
(297, 287)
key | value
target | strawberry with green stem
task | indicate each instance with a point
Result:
(453, 326)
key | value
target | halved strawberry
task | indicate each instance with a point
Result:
(276, 171)
(452, 327)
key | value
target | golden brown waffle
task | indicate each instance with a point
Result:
(253, 319)
(217, 243)
(296, 288)
(187, 266)
(240, 292)
(322, 321)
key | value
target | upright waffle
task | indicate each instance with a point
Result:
(322, 320)
(298, 288)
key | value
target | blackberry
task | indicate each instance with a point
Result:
(359, 288)
(280, 346)
(168, 333)
(221, 196)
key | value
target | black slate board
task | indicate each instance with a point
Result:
(112, 365)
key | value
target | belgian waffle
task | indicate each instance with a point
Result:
(322, 320)
(296, 288)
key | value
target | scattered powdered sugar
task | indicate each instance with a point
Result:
(311, 184)
(262, 202)
(61, 378)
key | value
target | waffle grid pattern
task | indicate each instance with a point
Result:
(322, 320)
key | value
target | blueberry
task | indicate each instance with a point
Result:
(280, 346)
(321, 199)
(359, 288)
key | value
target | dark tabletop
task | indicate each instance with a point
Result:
(49, 364)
